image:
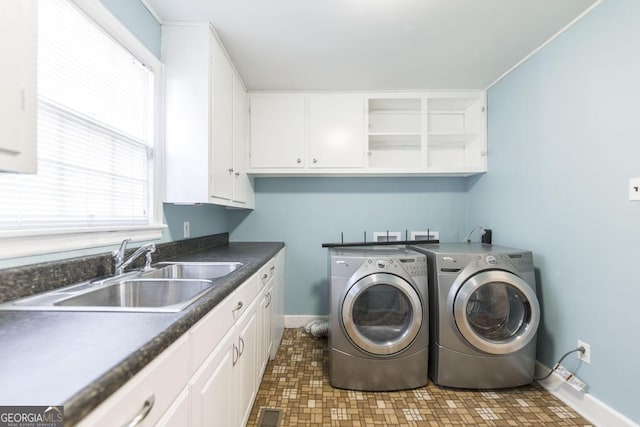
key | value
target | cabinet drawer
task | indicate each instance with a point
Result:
(248, 292)
(266, 272)
(157, 385)
(207, 333)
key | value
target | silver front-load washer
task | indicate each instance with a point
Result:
(484, 315)
(378, 326)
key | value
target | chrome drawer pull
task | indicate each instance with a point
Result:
(238, 306)
(235, 356)
(146, 408)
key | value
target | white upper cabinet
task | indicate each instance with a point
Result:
(206, 120)
(456, 132)
(336, 131)
(421, 133)
(18, 103)
(292, 133)
(222, 124)
(278, 131)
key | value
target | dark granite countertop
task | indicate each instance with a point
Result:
(78, 359)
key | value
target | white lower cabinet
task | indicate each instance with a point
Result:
(211, 375)
(264, 334)
(247, 376)
(223, 389)
(213, 387)
(277, 302)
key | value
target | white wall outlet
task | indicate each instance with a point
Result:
(386, 236)
(187, 229)
(634, 189)
(424, 235)
(586, 356)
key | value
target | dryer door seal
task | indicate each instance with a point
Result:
(497, 312)
(382, 314)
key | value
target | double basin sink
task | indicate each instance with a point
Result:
(166, 287)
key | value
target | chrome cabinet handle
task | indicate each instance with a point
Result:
(298, 161)
(140, 416)
(268, 300)
(273, 267)
(241, 348)
(236, 355)
(230, 170)
(315, 160)
(238, 306)
(265, 276)
(237, 173)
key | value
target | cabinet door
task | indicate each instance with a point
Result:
(187, 61)
(18, 43)
(247, 366)
(242, 186)
(222, 124)
(213, 387)
(336, 131)
(277, 131)
(264, 327)
(277, 303)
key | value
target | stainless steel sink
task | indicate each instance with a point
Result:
(141, 294)
(167, 287)
(192, 270)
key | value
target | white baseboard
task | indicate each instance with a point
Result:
(593, 410)
(300, 321)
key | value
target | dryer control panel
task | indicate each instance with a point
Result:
(415, 266)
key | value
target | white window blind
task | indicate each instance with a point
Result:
(95, 131)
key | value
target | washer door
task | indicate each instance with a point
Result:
(382, 313)
(497, 312)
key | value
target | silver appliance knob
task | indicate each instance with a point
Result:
(491, 259)
(381, 264)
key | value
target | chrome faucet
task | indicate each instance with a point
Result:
(118, 256)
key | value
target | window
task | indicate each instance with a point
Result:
(96, 134)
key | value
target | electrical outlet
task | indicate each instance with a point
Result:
(187, 229)
(586, 356)
(634, 189)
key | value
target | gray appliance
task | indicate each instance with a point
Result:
(378, 323)
(484, 315)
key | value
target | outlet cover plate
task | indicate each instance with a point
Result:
(586, 356)
(634, 189)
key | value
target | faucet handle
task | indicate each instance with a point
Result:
(120, 251)
(147, 264)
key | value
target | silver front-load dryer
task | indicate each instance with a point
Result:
(484, 315)
(378, 326)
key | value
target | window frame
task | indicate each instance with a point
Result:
(22, 243)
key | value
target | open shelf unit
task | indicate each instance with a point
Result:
(431, 131)
(395, 132)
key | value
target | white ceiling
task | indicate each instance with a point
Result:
(376, 44)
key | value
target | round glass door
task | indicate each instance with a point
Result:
(497, 312)
(382, 314)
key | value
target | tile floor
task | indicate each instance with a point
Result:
(297, 382)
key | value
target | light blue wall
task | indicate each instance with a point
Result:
(204, 220)
(306, 212)
(135, 16)
(563, 138)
